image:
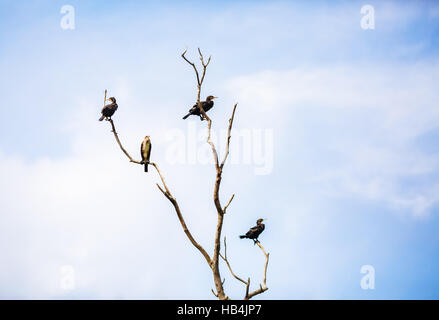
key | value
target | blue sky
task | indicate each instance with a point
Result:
(353, 114)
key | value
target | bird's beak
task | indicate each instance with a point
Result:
(215, 97)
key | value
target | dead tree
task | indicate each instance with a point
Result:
(213, 261)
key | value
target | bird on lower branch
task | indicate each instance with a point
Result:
(255, 231)
(145, 151)
(206, 105)
(109, 109)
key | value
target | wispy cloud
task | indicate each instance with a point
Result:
(363, 123)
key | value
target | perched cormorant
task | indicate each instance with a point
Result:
(109, 109)
(254, 232)
(145, 151)
(206, 105)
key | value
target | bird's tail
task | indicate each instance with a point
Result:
(102, 118)
(242, 237)
(146, 167)
(185, 117)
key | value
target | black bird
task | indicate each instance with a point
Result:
(145, 151)
(206, 105)
(254, 232)
(109, 109)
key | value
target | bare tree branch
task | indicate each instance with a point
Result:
(160, 188)
(228, 203)
(116, 136)
(193, 65)
(161, 176)
(186, 230)
(216, 199)
(199, 81)
(228, 264)
(168, 195)
(204, 65)
(247, 288)
(229, 132)
(263, 287)
(212, 145)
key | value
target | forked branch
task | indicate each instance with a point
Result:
(262, 287)
(228, 264)
(199, 80)
(228, 203)
(229, 135)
